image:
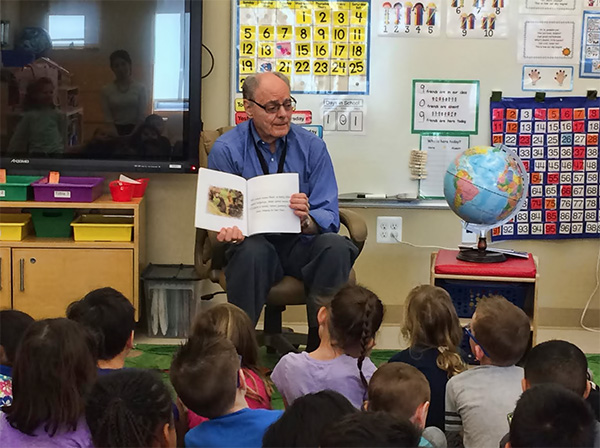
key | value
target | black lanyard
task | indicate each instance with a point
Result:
(263, 162)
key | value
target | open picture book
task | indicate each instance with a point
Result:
(257, 205)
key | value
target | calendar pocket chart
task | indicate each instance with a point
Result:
(557, 140)
(322, 46)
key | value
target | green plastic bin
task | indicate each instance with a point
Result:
(52, 222)
(17, 188)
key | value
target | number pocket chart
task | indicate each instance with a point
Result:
(322, 46)
(478, 19)
(557, 140)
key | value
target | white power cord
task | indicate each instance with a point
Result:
(395, 236)
(587, 305)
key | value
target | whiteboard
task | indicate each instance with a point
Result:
(376, 159)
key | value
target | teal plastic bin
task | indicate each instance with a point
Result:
(52, 222)
(17, 188)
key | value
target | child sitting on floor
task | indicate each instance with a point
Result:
(478, 400)
(131, 408)
(433, 331)
(53, 373)
(549, 416)
(111, 319)
(347, 328)
(231, 322)
(208, 377)
(401, 390)
(13, 324)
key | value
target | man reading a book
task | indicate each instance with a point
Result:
(269, 143)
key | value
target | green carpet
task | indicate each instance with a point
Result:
(158, 357)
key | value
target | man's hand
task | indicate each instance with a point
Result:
(230, 235)
(299, 203)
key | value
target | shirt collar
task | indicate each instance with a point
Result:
(260, 143)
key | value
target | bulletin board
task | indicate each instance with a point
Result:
(367, 118)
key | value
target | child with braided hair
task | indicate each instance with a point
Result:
(347, 328)
(432, 329)
(132, 408)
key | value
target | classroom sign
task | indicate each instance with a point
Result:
(322, 46)
(451, 107)
(409, 19)
(557, 140)
(590, 45)
(477, 19)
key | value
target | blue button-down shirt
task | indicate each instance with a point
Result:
(234, 152)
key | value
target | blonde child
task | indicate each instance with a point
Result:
(231, 322)
(433, 331)
(39, 130)
(347, 328)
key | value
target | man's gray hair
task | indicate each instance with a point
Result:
(251, 83)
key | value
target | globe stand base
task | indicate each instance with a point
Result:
(481, 254)
(478, 256)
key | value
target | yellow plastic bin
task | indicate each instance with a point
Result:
(102, 228)
(14, 226)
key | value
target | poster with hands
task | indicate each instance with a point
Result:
(543, 78)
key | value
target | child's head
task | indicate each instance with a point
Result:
(132, 408)
(206, 374)
(501, 330)
(431, 321)
(13, 324)
(304, 421)
(53, 372)
(157, 122)
(109, 316)
(40, 93)
(549, 415)
(401, 390)
(352, 319)
(371, 429)
(232, 322)
(558, 362)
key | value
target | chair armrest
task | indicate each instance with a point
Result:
(209, 255)
(356, 225)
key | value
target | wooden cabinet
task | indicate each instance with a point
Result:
(47, 280)
(5, 281)
(50, 273)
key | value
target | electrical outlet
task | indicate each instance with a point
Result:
(389, 229)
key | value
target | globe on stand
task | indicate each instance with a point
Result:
(485, 186)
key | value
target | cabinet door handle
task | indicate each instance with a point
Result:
(22, 274)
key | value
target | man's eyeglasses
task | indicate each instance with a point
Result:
(467, 329)
(272, 106)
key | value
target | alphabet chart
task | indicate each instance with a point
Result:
(557, 140)
(420, 19)
(477, 19)
(322, 46)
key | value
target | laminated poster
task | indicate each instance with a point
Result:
(550, 6)
(409, 19)
(548, 39)
(590, 45)
(477, 19)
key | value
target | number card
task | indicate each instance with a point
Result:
(322, 46)
(406, 20)
(560, 151)
(477, 19)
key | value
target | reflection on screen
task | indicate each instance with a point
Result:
(113, 82)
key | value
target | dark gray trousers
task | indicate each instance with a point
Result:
(322, 262)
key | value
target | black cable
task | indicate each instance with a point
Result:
(212, 61)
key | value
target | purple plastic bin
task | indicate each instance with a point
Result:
(69, 189)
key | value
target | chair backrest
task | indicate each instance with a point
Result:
(207, 140)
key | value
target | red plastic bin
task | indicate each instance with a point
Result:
(140, 189)
(121, 191)
(69, 189)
